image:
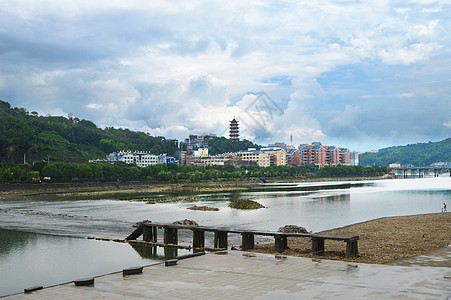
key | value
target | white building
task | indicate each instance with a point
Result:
(354, 158)
(141, 159)
(201, 152)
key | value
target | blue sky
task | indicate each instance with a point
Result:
(356, 74)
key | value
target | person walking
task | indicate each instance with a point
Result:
(444, 208)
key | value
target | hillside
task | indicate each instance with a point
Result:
(421, 154)
(217, 145)
(66, 139)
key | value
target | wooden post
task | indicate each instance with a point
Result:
(317, 246)
(154, 235)
(135, 234)
(147, 233)
(352, 248)
(198, 238)
(221, 239)
(280, 243)
(247, 241)
(170, 236)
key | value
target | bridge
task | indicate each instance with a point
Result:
(420, 171)
(148, 230)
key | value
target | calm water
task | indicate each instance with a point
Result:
(34, 234)
(29, 259)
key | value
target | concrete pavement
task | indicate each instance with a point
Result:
(245, 275)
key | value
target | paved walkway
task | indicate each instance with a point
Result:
(236, 275)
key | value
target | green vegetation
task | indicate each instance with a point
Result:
(421, 154)
(66, 172)
(245, 204)
(66, 139)
(218, 145)
(70, 143)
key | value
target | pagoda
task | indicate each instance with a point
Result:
(234, 132)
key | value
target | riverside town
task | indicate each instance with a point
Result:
(257, 150)
(194, 151)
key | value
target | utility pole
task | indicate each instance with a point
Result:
(24, 158)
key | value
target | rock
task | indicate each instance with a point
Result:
(292, 229)
(186, 222)
(140, 223)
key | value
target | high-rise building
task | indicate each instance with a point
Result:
(234, 131)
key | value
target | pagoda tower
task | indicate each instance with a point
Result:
(234, 131)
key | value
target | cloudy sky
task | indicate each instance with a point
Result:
(357, 74)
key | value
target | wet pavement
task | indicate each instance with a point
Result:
(437, 258)
(243, 275)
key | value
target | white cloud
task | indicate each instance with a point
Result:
(178, 68)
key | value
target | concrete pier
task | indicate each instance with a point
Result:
(244, 275)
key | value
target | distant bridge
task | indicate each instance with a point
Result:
(420, 171)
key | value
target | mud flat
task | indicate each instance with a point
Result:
(382, 241)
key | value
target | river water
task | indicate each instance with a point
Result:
(42, 241)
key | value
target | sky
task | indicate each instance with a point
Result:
(357, 74)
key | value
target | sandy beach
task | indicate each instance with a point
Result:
(382, 240)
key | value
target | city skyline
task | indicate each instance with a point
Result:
(367, 76)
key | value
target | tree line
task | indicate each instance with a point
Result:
(67, 172)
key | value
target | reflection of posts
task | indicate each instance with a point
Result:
(146, 251)
(170, 252)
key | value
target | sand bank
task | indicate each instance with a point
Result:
(382, 240)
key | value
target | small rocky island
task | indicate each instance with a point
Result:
(245, 204)
(204, 208)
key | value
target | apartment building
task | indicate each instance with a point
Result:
(332, 157)
(354, 158)
(313, 155)
(345, 156)
(293, 157)
(262, 159)
(317, 154)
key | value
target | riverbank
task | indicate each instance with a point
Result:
(130, 190)
(381, 241)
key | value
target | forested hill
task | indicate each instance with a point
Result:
(217, 145)
(66, 139)
(421, 154)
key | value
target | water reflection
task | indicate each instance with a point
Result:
(30, 259)
(11, 241)
(154, 252)
(343, 199)
(314, 186)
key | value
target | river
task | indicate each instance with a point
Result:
(43, 241)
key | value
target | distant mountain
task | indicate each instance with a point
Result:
(66, 139)
(421, 154)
